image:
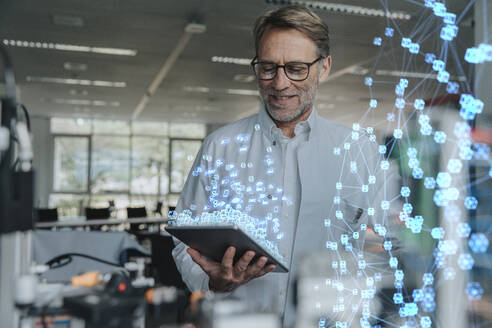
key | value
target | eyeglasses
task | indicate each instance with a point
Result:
(295, 71)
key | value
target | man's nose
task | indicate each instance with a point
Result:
(281, 81)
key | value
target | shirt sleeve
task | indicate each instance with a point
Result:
(193, 197)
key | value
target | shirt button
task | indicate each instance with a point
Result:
(269, 196)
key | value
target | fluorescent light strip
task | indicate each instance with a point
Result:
(345, 9)
(58, 80)
(240, 92)
(231, 60)
(85, 102)
(243, 92)
(417, 75)
(70, 47)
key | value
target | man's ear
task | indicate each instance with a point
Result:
(325, 69)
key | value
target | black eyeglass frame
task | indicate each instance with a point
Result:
(255, 62)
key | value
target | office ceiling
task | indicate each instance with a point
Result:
(196, 89)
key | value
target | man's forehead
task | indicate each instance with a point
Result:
(289, 43)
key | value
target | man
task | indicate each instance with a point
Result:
(288, 150)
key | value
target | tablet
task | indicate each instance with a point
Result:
(213, 241)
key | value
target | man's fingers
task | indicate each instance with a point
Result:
(244, 261)
(202, 261)
(265, 270)
(228, 258)
(255, 268)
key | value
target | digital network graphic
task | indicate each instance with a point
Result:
(422, 170)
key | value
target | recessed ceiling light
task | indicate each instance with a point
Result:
(231, 60)
(70, 47)
(96, 83)
(68, 20)
(86, 102)
(345, 9)
(417, 75)
(244, 78)
(80, 67)
(243, 92)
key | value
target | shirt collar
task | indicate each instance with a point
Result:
(268, 126)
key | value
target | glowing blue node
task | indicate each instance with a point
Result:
(400, 103)
(403, 83)
(385, 165)
(443, 179)
(429, 58)
(428, 279)
(390, 117)
(377, 41)
(382, 149)
(465, 261)
(437, 233)
(426, 129)
(419, 104)
(485, 51)
(398, 298)
(466, 153)
(429, 3)
(409, 310)
(406, 42)
(425, 322)
(417, 173)
(471, 203)
(461, 130)
(443, 77)
(389, 32)
(322, 323)
(399, 275)
(373, 103)
(411, 152)
(393, 262)
(454, 165)
(407, 208)
(449, 32)
(463, 229)
(439, 9)
(399, 90)
(372, 179)
(415, 224)
(414, 48)
(368, 81)
(438, 65)
(418, 295)
(405, 191)
(449, 273)
(429, 183)
(449, 18)
(474, 291)
(397, 133)
(387, 245)
(472, 56)
(478, 243)
(453, 88)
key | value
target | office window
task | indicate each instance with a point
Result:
(110, 164)
(70, 125)
(71, 164)
(150, 128)
(150, 157)
(97, 161)
(111, 127)
(187, 130)
(183, 154)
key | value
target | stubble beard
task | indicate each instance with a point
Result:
(277, 113)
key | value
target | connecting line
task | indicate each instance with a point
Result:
(385, 321)
(421, 26)
(463, 13)
(385, 6)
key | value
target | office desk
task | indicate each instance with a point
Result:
(80, 221)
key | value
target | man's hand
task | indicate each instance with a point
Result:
(224, 276)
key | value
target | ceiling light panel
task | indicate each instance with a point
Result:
(231, 60)
(345, 9)
(70, 47)
(86, 102)
(57, 80)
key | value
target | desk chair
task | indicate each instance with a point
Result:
(47, 214)
(136, 212)
(97, 213)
